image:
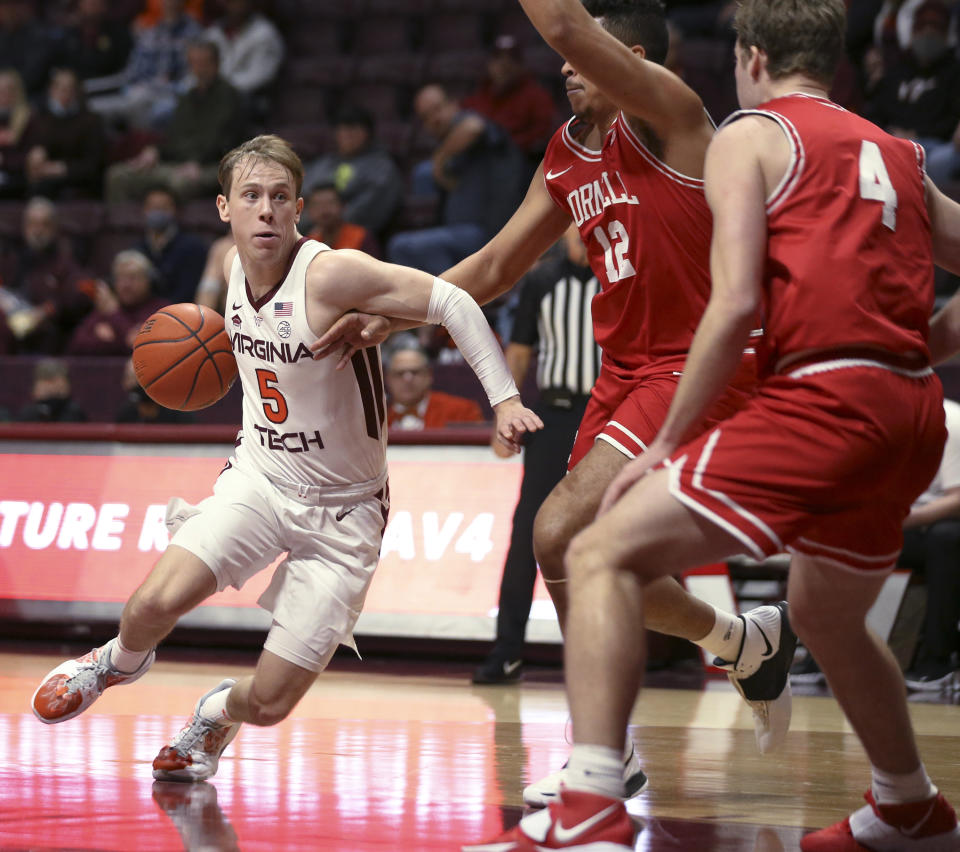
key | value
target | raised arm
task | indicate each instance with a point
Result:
(641, 88)
(338, 281)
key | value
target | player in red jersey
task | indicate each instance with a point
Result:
(825, 221)
(628, 171)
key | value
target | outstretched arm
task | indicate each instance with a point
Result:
(342, 280)
(492, 270)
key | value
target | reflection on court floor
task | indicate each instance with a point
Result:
(410, 761)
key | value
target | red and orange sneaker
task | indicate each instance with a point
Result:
(74, 685)
(928, 826)
(577, 821)
(194, 753)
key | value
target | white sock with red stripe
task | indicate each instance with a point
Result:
(891, 789)
(595, 769)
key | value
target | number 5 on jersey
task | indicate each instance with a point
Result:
(274, 402)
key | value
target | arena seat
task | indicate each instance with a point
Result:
(397, 66)
(388, 34)
(457, 67)
(456, 31)
(11, 219)
(321, 70)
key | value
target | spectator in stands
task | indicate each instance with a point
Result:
(364, 174)
(479, 172)
(155, 11)
(251, 51)
(324, 209)
(27, 44)
(65, 143)
(177, 255)
(139, 408)
(209, 120)
(511, 96)
(145, 93)
(94, 44)
(411, 401)
(212, 289)
(119, 311)
(703, 18)
(919, 97)
(52, 401)
(931, 548)
(15, 114)
(43, 286)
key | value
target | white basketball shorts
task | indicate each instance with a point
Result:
(332, 547)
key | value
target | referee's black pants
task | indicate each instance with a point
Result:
(545, 457)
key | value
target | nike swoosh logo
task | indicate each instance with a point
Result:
(915, 829)
(564, 835)
(552, 174)
(237, 307)
(510, 668)
(769, 651)
(344, 512)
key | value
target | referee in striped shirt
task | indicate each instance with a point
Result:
(553, 319)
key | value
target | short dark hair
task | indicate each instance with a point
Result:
(354, 116)
(642, 22)
(326, 186)
(798, 36)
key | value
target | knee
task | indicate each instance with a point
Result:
(584, 557)
(550, 541)
(817, 623)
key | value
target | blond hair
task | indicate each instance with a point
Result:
(266, 147)
(798, 36)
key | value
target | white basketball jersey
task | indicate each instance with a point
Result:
(304, 421)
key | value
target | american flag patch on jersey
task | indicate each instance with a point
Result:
(283, 309)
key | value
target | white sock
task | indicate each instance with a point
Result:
(125, 660)
(726, 637)
(215, 708)
(596, 769)
(890, 789)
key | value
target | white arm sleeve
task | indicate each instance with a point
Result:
(461, 316)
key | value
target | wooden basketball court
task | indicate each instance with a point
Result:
(392, 756)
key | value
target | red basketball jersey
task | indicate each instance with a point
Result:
(647, 230)
(849, 244)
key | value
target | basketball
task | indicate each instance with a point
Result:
(182, 357)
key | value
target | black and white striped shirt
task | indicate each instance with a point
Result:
(553, 314)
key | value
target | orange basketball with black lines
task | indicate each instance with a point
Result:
(183, 358)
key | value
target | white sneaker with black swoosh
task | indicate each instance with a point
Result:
(761, 672)
(541, 793)
(576, 821)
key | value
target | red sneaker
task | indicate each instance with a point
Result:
(928, 826)
(578, 820)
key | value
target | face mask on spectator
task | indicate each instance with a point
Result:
(158, 220)
(928, 47)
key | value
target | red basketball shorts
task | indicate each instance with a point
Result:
(823, 461)
(627, 410)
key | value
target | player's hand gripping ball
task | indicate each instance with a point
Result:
(182, 357)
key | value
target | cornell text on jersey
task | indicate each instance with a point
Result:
(591, 199)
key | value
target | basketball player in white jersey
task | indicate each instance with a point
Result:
(308, 477)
